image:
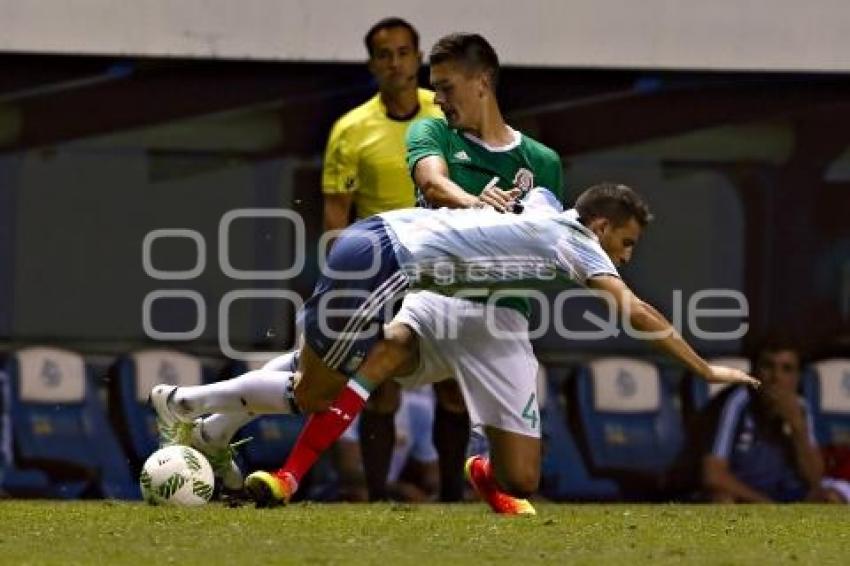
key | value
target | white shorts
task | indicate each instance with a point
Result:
(486, 349)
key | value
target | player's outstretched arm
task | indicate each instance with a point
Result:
(645, 318)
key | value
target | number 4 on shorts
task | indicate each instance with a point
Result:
(530, 411)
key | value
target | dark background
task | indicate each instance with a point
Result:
(748, 174)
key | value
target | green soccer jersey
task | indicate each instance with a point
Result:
(524, 163)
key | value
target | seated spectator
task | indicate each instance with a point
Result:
(414, 473)
(762, 446)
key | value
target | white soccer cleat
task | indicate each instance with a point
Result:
(222, 459)
(172, 429)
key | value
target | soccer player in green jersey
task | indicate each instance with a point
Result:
(473, 158)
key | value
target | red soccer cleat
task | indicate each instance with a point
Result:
(478, 474)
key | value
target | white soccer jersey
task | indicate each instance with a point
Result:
(462, 248)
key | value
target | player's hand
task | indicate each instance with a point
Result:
(723, 374)
(499, 199)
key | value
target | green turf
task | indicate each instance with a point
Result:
(125, 533)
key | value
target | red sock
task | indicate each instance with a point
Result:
(323, 429)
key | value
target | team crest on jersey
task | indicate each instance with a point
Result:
(524, 180)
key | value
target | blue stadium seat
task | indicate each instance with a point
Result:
(133, 376)
(826, 386)
(59, 426)
(18, 482)
(15, 481)
(699, 392)
(627, 417)
(564, 475)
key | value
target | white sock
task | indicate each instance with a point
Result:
(255, 393)
(217, 430)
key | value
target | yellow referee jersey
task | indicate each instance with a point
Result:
(366, 156)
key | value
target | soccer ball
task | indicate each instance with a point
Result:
(176, 475)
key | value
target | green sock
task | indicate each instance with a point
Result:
(363, 382)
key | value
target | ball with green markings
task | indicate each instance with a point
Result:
(177, 475)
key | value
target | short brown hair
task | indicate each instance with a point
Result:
(613, 201)
(469, 49)
(389, 23)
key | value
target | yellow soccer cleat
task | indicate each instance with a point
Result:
(269, 490)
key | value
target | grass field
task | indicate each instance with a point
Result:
(128, 533)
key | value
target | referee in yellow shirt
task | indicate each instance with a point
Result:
(365, 173)
(364, 164)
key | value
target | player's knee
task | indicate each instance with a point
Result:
(400, 335)
(312, 399)
(401, 341)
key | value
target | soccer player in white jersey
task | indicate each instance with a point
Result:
(345, 355)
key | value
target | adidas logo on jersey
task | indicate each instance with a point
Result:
(462, 155)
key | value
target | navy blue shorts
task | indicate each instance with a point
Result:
(344, 317)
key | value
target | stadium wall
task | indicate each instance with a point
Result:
(79, 273)
(76, 262)
(783, 35)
